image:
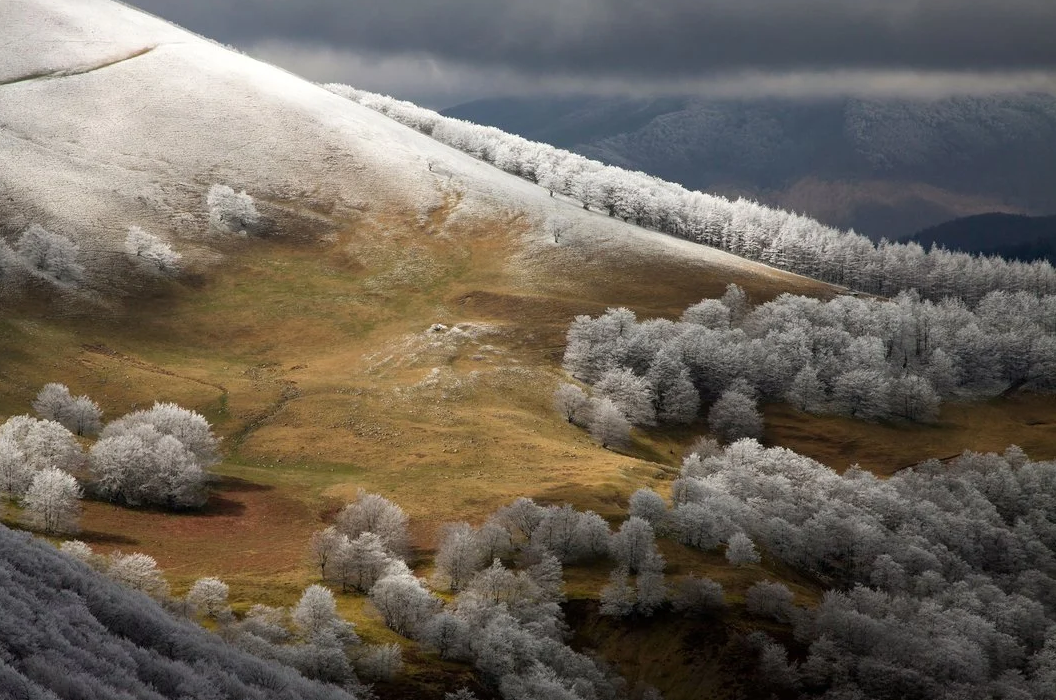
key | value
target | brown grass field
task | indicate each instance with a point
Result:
(314, 362)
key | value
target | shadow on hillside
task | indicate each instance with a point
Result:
(232, 484)
(219, 506)
(97, 537)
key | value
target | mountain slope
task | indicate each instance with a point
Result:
(1010, 236)
(134, 129)
(884, 167)
(316, 334)
(67, 631)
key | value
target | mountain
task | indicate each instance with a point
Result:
(1007, 235)
(883, 167)
(115, 118)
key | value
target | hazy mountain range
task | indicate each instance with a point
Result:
(886, 168)
(1008, 235)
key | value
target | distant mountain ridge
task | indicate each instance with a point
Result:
(884, 167)
(1011, 236)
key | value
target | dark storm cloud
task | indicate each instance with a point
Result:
(641, 43)
(642, 37)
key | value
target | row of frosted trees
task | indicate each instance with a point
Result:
(865, 358)
(941, 579)
(745, 228)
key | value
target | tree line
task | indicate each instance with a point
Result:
(941, 579)
(867, 358)
(782, 239)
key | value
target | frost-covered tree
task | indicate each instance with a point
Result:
(649, 506)
(358, 563)
(710, 313)
(547, 575)
(448, 635)
(404, 603)
(618, 596)
(736, 300)
(698, 597)
(679, 400)
(459, 555)
(461, 694)
(521, 517)
(573, 404)
(52, 400)
(151, 251)
(189, 427)
(742, 227)
(16, 474)
(631, 394)
(43, 443)
(143, 466)
(379, 662)
(231, 211)
(83, 417)
(770, 599)
(634, 546)
(608, 426)
(208, 597)
(862, 393)
(913, 398)
(83, 553)
(139, 572)
(52, 502)
(735, 416)
(373, 513)
(50, 255)
(807, 393)
(650, 592)
(740, 550)
(323, 547)
(494, 540)
(315, 617)
(79, 415)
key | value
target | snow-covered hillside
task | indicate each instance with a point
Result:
(111, 117)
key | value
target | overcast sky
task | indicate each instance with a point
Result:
(442, 52)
